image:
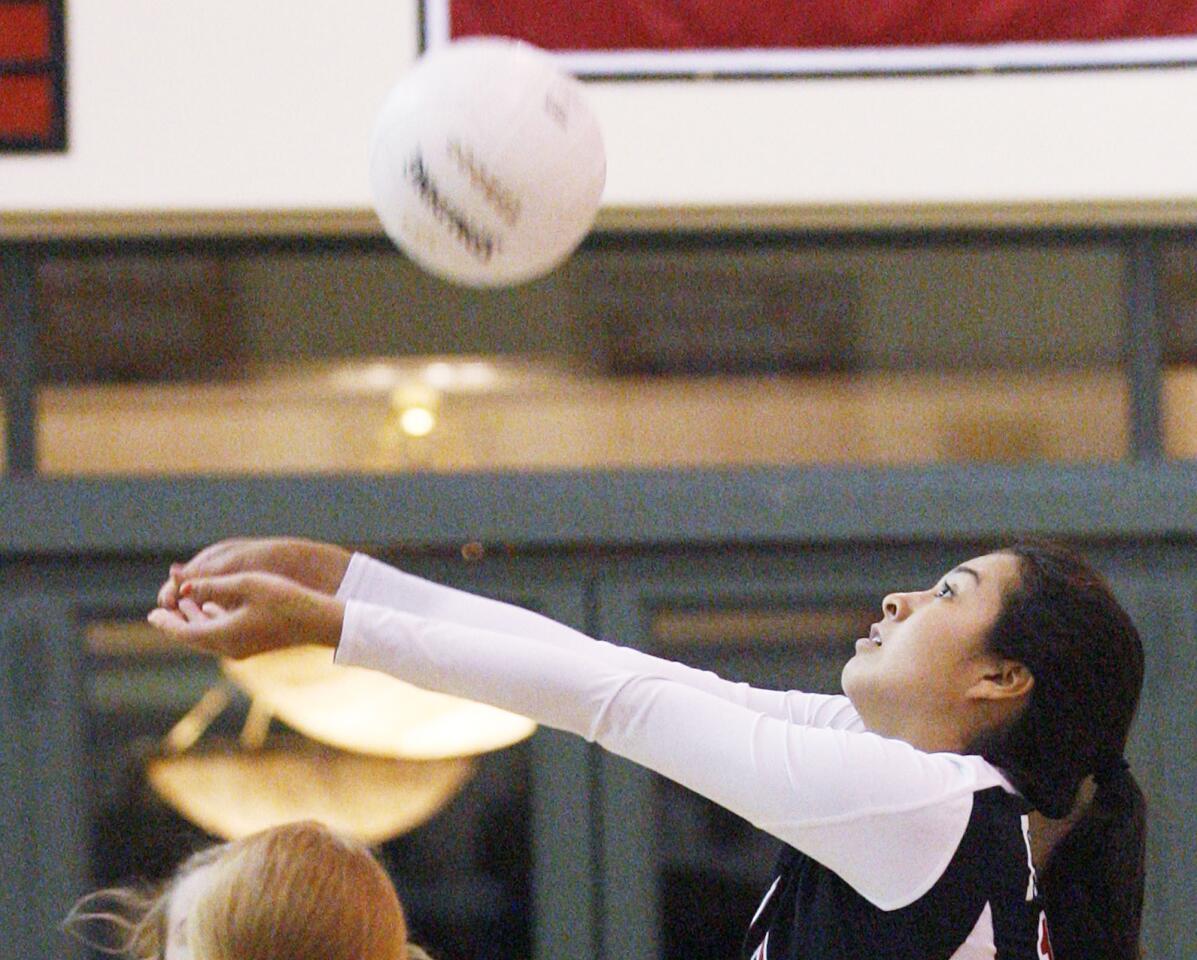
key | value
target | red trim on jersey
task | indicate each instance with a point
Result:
(1044, 943)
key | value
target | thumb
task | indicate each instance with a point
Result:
(227, 590)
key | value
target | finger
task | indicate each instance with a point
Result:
(228, 590)
(213, 609)
(168, 595)
(208, 562)
(192, 611)
(174, 624)
(206, 634)
(165, 619)
(218, 558)
(198, 566)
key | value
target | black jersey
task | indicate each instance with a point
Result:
(985, 903)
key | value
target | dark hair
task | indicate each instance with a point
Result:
(1062, 622)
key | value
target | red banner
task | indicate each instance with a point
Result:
(706, 24)
(1070, 32)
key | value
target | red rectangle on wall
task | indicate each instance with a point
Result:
(645, 38)
(816, 24)
(25, 31)
(26, 107)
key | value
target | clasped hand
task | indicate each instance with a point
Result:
(241, 597)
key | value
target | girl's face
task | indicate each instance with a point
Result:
(183, 898)
(924, 674)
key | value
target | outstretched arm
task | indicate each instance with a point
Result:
(325, 568)
(370, 581)
(883, 815)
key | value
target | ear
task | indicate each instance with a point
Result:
(1002, 680)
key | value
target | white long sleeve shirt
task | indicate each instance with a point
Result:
(883, 816)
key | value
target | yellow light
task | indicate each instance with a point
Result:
(232, 792)
(417, 421)
(351, 708)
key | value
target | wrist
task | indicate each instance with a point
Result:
(336, 562)
(320, 566)
(333, 618)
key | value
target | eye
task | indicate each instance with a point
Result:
(945, 590)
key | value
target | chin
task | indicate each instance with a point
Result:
(859, 686)
(850, 677)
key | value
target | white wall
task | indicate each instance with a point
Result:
(174, 109)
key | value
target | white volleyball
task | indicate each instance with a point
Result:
(487, 166)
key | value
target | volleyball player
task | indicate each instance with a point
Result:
(902, 806)
(293, 892)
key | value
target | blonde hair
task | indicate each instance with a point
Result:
(132, 920)
(295, 892)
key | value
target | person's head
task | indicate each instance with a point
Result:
(293, 892)
(927, 673)
(1025, 657)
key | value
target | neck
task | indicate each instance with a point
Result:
(930, 735)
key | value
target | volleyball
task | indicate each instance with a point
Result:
(487, 165)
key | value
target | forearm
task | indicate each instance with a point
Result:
(371, 581)
(701, 741)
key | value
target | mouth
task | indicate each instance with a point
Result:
(871, 642)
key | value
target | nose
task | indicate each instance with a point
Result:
(897, 606)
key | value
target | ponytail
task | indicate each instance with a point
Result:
(1063, 623)
(1093, 880)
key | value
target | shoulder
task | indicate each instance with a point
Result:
(898, 839)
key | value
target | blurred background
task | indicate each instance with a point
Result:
(833, 332)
